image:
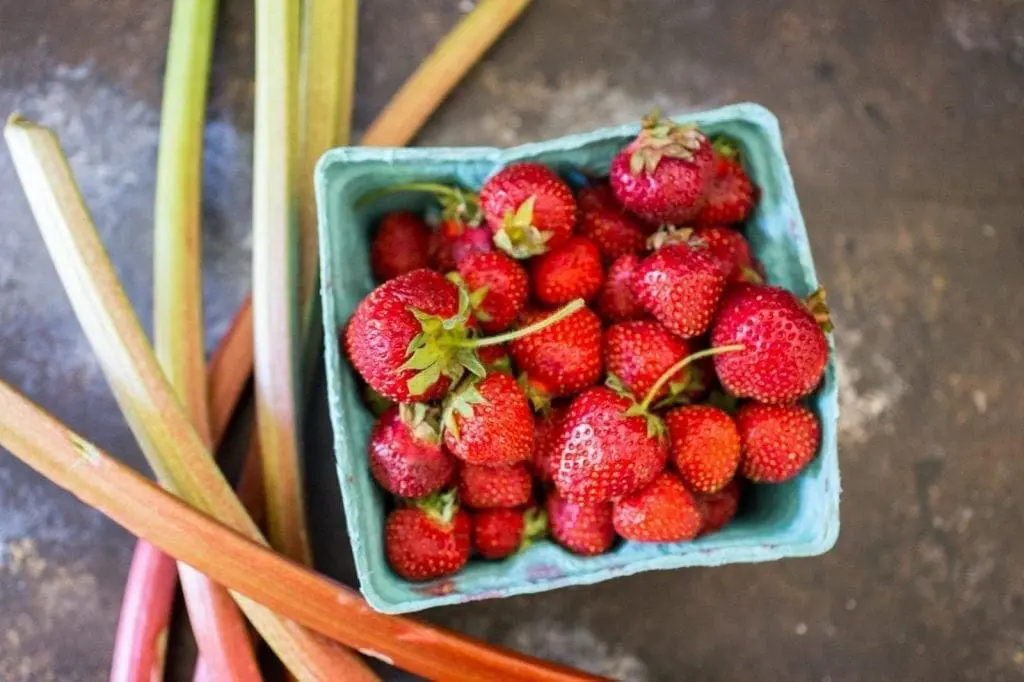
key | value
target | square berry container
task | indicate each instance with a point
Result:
(795, 519)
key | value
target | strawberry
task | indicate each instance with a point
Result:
(404, 310)
(608, 447)
(729, 196)
(439, 252)
(485, 487)
(604, 222)
(561, 359)
(785, 350)
(499, 287)
(429, 540)
(413, 336)
(717, 509)
(499, 533)
(662, 174)
(638, 353)
(731, 251)
(529, 209)
(680, 284)
(778, 440)
(616, 301)
(489, 422)
(705, 446)
(406, 455)
(400, 245)
(581, 528)
(546, 428)
(664, 511)
(570, 271)
(453, 241)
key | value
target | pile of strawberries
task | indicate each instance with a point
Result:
(580, 365)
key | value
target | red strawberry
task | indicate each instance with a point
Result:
(778, 440)
(454, 240)
(664, 511)
(561, 359)
(785, 350)
(529, 209)
(638, 353)
(607, 447)
(680, 284)
(429, 540)
(484, 487)
(581, 528)
(719, 508)
(730, 195)
(499, 533)
(489, 422)
(414, 335)
(616, 301)
(406, 455)
(570, 271)
(499, 287)
(705, 446)
(662, 174)
(383, 327)
(546, 428)
(439, 251)
(400, 245)
(730, 250)
(602, 220)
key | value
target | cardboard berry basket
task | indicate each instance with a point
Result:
(798, 518)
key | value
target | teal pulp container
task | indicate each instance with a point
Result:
(798, 518)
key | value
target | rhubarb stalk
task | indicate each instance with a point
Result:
(239, 561)
(171, 445)
(275, 276)
(221, 634)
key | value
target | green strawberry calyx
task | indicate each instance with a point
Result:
(725, 148)
(476, 297)
(423, 420)
(535, 526)
(440, 507)
(670, 234)
(661, 138)
(655, 426)
(456, 203)
(519, 237)
(816, 306)
(460, 402)
(447, 346)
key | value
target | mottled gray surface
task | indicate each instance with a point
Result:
(903, 126)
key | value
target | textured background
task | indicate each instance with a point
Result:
(903, 127)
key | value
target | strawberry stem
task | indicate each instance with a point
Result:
(671, 372)
(562, 313)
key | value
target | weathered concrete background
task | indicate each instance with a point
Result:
(903, 124)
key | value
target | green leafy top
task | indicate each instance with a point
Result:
(461, 402)
(660, 138)
(816, 305)
(519, 237)
(437, 350)
(670, 234)
(424, 420)
(440, 507)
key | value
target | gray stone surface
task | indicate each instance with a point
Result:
(902, 122)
